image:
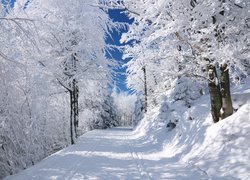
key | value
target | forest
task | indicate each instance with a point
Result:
(58, 72)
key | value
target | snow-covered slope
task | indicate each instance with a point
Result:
(225, 149)
(195, 149)
(219, 151)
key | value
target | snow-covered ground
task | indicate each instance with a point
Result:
(195, 149)
(110, 154)
(219, 151)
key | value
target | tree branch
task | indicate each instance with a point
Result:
(8, 59)
(63, 85)
(16, 19)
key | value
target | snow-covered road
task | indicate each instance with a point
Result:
(110, 154)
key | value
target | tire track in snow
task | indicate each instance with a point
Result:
(75, 167)
(140, 165)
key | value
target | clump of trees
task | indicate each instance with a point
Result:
(53, 69)
(173, 39)
(125, 106)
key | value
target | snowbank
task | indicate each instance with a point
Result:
(220, 150)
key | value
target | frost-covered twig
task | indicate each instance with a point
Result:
(16, 19)
(9, 59)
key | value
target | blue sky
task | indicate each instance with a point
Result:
(4, 2)
(119, 16)
(7, 4)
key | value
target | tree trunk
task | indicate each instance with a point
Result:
(227, 108)
(74, 114)
(75, 106)
(215, 95)
(145, 89)
(72, 134)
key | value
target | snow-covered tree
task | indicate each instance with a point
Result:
(97, 109)
(125, 106)
(180, 38)
(48, 50)
(67, 38)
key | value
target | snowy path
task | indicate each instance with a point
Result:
(110, 154)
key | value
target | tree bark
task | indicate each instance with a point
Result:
(145, 89)
(74, 114)
(72, 136)
(75, 108)
(227, 108)
(215, 94)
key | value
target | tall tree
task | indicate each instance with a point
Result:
(45, 48)
(69, 39)
(183, 37)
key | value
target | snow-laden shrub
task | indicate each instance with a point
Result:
(183, 92)
(186, 90)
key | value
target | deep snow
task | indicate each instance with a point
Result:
(109, 154)
(196, 149)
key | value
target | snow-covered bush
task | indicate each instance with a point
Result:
(186, 90)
